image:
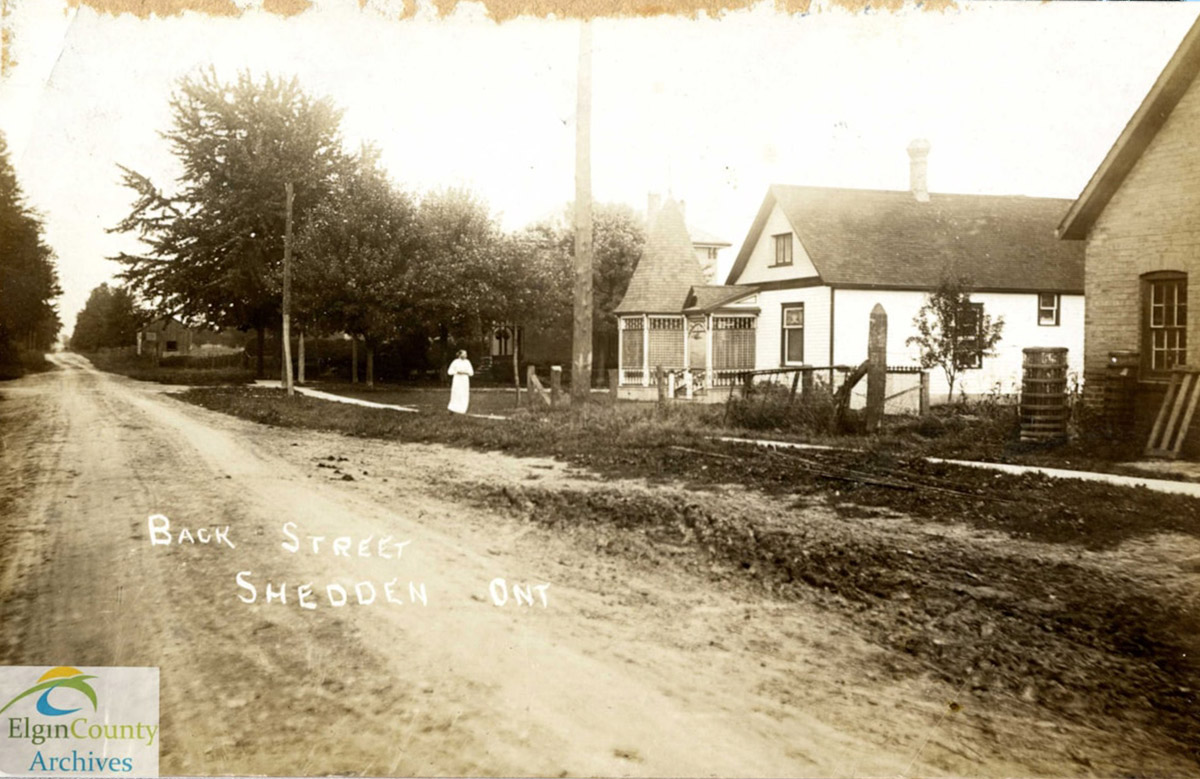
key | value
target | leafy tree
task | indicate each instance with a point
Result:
(215, 245)
(530, 288)
(28, 277)
(454, 270)
(952, 332)
(110, 319)
(618, 235)
(353, 257)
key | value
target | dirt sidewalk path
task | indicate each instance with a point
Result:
(623, 671)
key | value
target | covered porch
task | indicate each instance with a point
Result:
(701, 354)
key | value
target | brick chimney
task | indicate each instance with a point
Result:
(918, 168)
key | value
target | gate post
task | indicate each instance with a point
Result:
(555, 384)
(877, 368)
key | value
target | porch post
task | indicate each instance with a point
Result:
(708, 351)
(620, 351)
(645, 350)
(687, 358)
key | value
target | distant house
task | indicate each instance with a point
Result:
(164, 337)
(1139, 216)
(708, 249)
(543, 346)
(816, 261)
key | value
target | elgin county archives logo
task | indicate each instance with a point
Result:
(63, 676)
(57, 725)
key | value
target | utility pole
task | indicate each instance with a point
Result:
(581, 351)
(287, 293)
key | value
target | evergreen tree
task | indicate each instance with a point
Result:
(28, 277)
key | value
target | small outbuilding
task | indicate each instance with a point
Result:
(165, 337)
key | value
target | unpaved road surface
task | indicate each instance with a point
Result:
(626, 669)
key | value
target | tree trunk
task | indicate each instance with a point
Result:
(516, 361)
(370, 363)
(300, 357)
(354, 359)
(262, 337)
(602, 354)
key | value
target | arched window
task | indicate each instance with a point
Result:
(1164, 321)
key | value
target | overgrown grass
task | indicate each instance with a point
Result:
(427, 397)
(528, 432)
(185, 373)
(16, 362)
(772, 407)
(986, 430)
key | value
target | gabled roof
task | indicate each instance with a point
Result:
(887, 239)
(667, 270)
(162, 323)
(704, 238)
(1149, 118)
(710, 297)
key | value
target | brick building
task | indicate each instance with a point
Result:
(1140, 217)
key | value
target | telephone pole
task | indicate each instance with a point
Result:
(581, 350)
(287, 293)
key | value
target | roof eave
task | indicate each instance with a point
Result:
(1145, 123)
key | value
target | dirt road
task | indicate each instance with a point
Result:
(623, 669)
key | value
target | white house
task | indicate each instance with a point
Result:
(816, 260)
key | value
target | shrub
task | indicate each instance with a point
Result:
(771, 407)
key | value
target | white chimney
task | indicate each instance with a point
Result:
(918, 169)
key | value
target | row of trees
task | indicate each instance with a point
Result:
(369, 259)
(110, 319)
(28, 277)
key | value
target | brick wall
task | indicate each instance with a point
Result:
(1152, 223)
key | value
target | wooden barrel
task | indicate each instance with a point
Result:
(1044, 394)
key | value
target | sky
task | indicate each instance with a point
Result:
(1015, 98)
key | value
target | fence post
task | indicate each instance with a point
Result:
(662, 385)
(795, 385)
(924, 401)
(300, 361)
(614, 380)
(555, 385)
(806, 381)
(671, 385)
(877, 368)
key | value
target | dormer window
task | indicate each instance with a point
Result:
(783, 249)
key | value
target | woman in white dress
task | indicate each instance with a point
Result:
(460, 387)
